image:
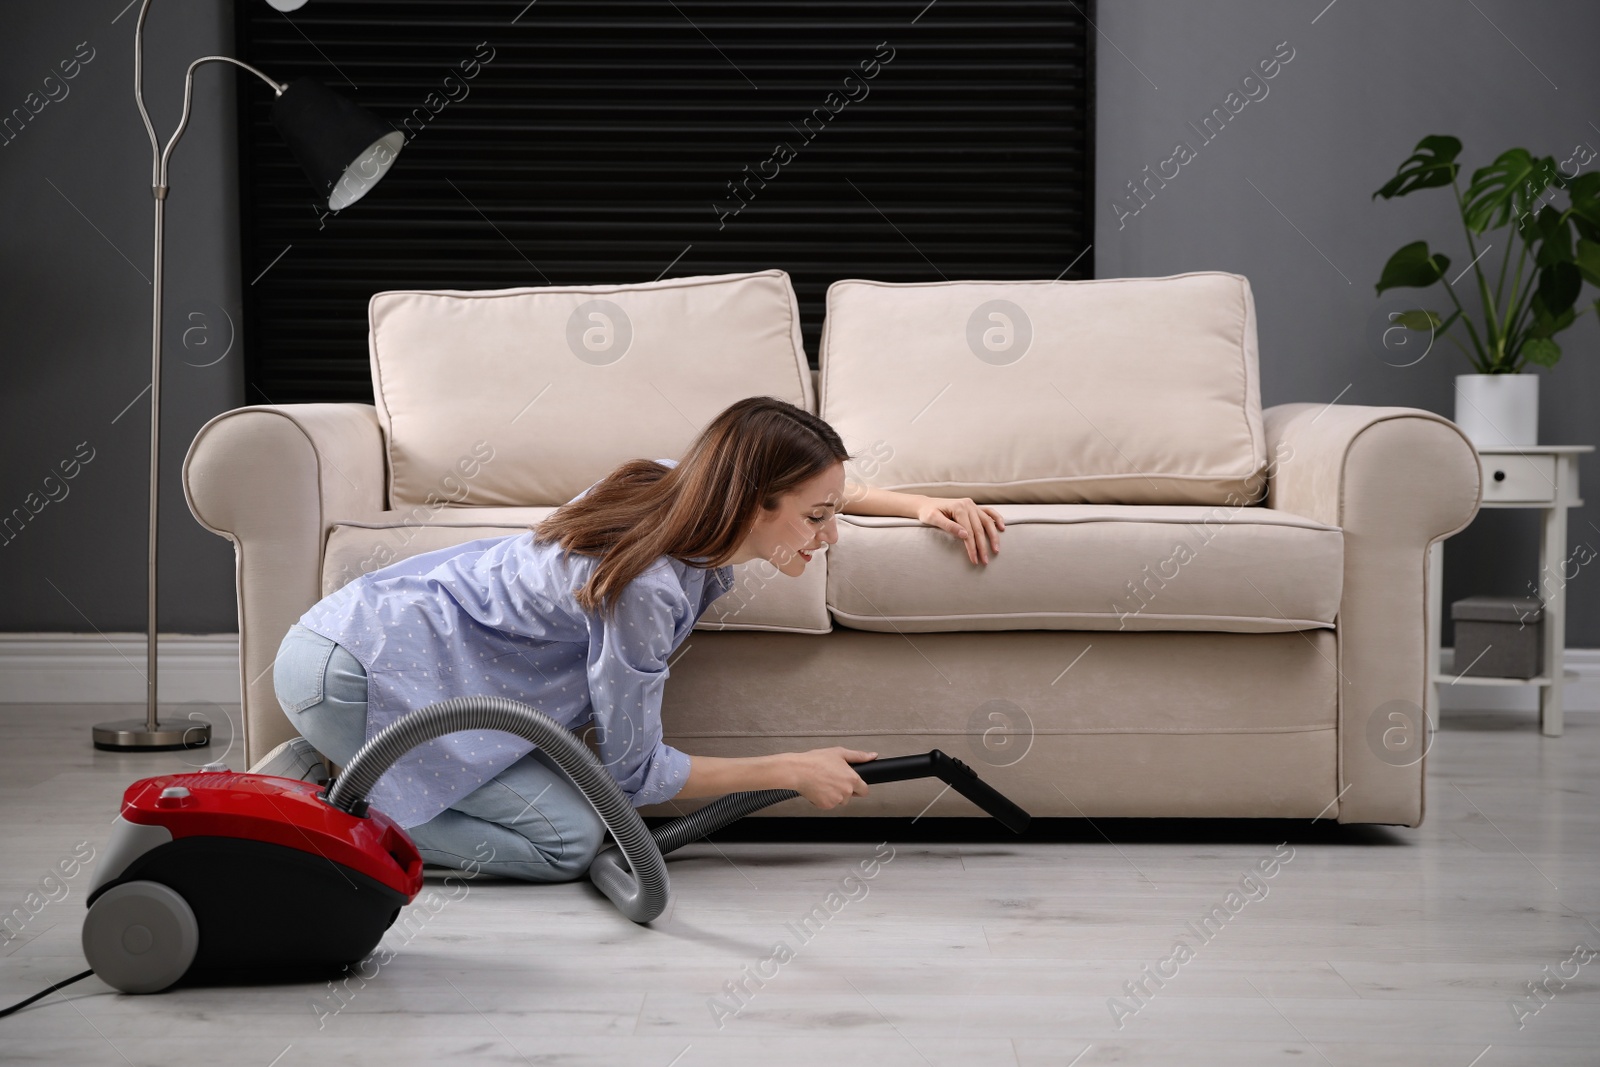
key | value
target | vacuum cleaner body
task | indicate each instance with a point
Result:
(223, 876)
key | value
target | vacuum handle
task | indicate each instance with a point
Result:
(896, 768)
(951, 771)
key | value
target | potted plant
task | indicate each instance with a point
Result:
(1556, 252)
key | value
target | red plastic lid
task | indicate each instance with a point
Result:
(279, 811)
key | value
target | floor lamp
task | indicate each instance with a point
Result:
(344, 150)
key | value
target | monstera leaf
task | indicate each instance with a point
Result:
(1413, 268)
(1552, 234)
(1558, 289)
(1541, 350)
(1587, 260)
(1512, 183)
(1585, 194)
(1433, 163)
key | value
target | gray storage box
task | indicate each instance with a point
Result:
(1498, 636)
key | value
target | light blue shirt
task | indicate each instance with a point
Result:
(499, 617)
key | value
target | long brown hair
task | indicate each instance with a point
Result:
(754, 452)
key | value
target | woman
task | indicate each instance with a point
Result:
(579, 618)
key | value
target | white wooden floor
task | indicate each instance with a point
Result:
(1368, 947)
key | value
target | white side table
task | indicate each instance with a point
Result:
(1532, 476)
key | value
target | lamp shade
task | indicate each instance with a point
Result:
(344, 149)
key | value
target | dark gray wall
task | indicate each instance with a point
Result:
(1281, 195)
(75, 307)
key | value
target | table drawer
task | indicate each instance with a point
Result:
(1521, 478)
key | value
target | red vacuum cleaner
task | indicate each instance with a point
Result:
(241, 876)
(214, 876)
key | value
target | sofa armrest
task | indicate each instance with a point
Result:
(271, 480)
(1395, 479)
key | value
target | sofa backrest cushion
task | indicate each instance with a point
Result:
(560, 384)
(1114, 391)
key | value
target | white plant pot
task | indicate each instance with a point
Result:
(1498, 410)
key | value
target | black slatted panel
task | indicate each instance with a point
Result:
(599, 141)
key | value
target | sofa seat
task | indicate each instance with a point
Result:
(761, 597)
(1093, 567)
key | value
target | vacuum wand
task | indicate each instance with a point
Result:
(952, 772)
(735, 806)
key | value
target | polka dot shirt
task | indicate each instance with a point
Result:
(499, 617)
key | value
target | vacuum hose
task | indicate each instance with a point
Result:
(639, 887)
(640, 894)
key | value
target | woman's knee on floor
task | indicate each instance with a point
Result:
(534, 799)
(562, 853)
(564, 856)
(565, 861)
(582, 833)
(583, 839)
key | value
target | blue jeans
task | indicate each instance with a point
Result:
(541, 828)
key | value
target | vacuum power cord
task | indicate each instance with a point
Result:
(19, 1005)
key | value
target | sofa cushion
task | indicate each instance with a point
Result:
(761, 597)
(557, 385)
(1092, 567)
(1116, 391)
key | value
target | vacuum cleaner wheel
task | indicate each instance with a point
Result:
(140, 937)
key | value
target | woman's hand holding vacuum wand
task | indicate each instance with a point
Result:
(822, 775)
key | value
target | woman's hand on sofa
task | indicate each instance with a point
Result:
(824, 775)
(977, 525)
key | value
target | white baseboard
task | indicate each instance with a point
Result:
(204, 668)
(1583, 692)
(109, 668)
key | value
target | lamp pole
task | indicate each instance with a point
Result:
(150, 732)
(326, 133)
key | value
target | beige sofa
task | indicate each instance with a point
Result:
(1200, 608)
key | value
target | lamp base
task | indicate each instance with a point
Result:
(135, 735)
